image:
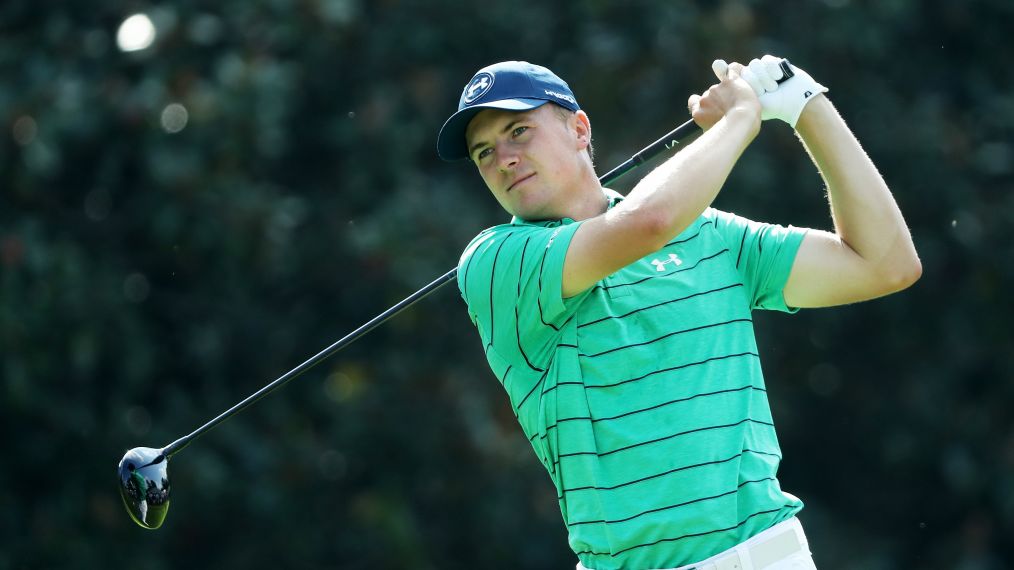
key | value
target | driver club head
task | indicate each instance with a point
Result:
(144, 485)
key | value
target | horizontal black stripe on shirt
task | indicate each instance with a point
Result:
(693, 535)
(652, 373)
(685, 240)
(625, 315)
(664, 473)
(673, 272)
(656, 406)
(649, 408)
(656, 440)
(676, 506)
(665, 336)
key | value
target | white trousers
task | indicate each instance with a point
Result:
(781, 547)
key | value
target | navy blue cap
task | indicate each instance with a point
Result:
(509, 85)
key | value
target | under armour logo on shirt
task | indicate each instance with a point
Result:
(660, 265)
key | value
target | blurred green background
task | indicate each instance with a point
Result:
(184, 222)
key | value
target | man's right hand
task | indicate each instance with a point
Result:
(731, 96)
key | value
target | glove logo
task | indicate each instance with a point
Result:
(807, 94)
(477, 87)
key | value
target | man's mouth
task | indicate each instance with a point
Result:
(520, 181)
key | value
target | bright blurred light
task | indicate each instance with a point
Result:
(174, 118)
(135, 33)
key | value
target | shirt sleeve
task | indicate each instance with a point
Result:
(511, 278)
(763, 253)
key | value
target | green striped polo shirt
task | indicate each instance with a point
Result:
(643, 396)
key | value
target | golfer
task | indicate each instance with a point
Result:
(621, 327)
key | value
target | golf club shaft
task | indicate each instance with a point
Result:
(654, 149)
(668, 141)
(182, 442)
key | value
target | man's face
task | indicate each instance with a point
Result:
(527, 159)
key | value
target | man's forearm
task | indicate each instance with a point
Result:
(681, 189)
(671, 197)
(866, 217)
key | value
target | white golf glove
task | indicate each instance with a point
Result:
(784, 100)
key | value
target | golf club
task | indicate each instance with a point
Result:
(144, 482)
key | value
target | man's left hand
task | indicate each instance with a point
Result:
(786, 100)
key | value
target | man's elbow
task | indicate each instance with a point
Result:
(644, 230)
(904, 275)
(656, 227)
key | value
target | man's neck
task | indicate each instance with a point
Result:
(587, 199)
(589, 204)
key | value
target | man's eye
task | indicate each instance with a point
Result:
(483, 153)
(519, 130)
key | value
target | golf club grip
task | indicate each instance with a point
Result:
(787, 72)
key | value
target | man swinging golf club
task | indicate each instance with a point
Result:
(621, 328)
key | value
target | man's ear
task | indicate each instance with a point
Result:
(582, 129)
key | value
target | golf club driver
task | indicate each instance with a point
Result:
(143, 472)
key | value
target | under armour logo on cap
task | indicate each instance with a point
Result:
(478, 87)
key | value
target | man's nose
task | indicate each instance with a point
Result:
(507, 158)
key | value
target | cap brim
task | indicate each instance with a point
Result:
(451, 144)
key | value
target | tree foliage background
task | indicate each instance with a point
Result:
(180, 225)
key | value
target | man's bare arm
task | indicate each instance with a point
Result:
(871, 253)
(671, 197)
